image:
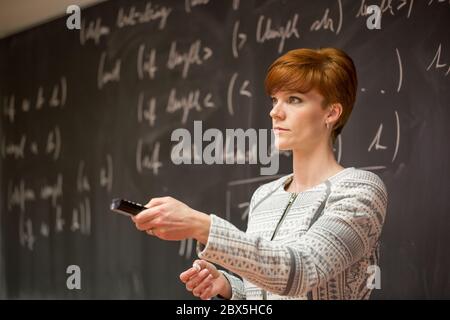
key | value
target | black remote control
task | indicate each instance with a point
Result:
(126, 207)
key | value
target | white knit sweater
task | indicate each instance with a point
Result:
(330, 259)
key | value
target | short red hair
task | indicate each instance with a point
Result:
(328, 70)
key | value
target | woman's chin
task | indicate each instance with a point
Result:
(282, 146)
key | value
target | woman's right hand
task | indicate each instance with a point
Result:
(205, 281)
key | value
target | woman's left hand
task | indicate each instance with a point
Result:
(170, 219)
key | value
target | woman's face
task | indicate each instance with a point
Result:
(298, 120)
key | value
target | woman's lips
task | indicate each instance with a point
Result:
(279, 129)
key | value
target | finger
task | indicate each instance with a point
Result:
(196, 266)
(134, 216)
(147, 215)
(190, 273)
(196, 280)
(203, 285)
(206, 265)
(200, 263)
(155, 202)
(190, 284)
(191, 281)
(207, 293)
(186, 275)
(148, 225)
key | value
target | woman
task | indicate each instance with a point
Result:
(312, 234)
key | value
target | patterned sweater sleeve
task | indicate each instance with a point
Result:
(348, 230)
(236, 283)
(237, 286)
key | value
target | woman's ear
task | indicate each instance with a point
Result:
(334, 113)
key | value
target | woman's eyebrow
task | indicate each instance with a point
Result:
(297, 93)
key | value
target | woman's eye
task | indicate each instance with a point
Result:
(274, 101)
(294, 100)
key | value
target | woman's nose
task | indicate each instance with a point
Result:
(277, 111)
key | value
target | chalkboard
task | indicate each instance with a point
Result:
(87, 115)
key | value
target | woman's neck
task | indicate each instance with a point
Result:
(313, 167)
